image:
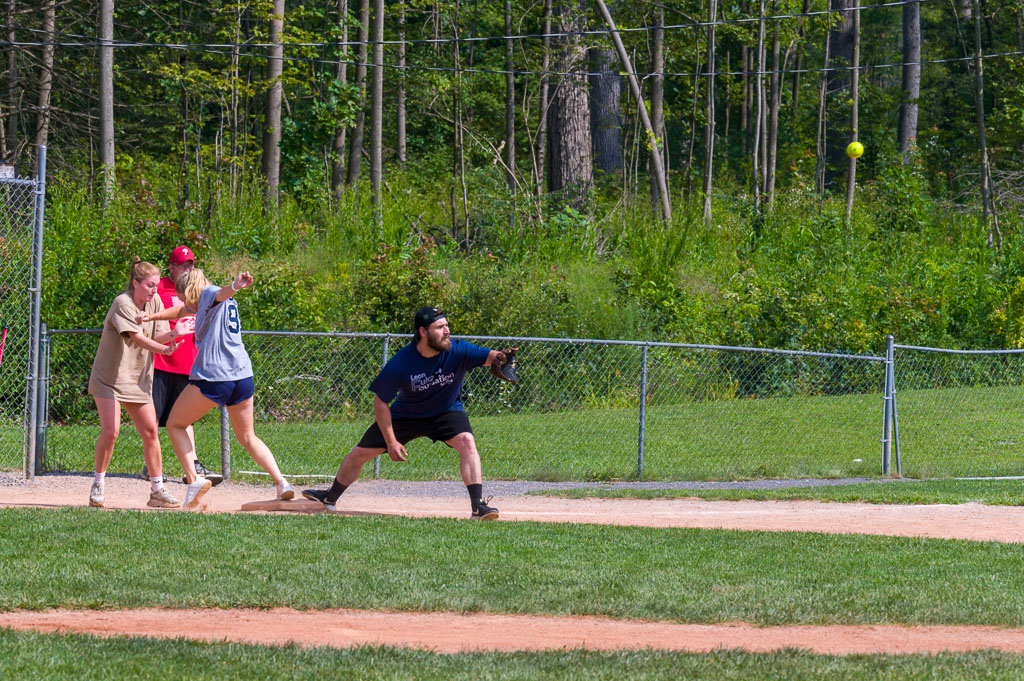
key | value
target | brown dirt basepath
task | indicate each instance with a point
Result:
(941, 521)
(454, 632)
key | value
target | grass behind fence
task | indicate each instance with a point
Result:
(994, 492)
(695, 441)
(956, 431)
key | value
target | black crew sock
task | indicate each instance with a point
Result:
(475, 492)
(335, 491)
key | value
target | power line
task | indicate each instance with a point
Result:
(577, 74)
(523, 36)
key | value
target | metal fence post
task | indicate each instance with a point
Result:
(35, 319)
(43, 399)
(887, 407)
(896, 427)
(643, 413)
(383, 361)
(225, 443)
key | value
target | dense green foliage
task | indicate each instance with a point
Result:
(794, 279)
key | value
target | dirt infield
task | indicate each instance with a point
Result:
(453, 632)
(446, 500)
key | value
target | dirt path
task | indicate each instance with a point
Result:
(964, 521)
(453, 632)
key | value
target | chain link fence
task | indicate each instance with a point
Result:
(20, 223)
(583, 410)
(959, 412)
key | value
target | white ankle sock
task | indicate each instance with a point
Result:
(99, 477)
(155, 484)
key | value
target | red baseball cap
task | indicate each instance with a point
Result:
(182, 254)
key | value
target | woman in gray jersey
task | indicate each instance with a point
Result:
(221, 375)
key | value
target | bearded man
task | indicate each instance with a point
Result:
(418, 393)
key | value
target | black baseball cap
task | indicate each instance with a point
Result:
(425, 316)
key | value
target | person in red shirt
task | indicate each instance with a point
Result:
(170, 375)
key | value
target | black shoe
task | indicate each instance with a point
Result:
(201, 470)
(321, 496)
(485, 512)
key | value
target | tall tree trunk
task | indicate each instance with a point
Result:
(745, 107)
(45, 77)
(774, 95)
(340, 133)
(400, 97)
(911, 80)
(839, 85)
(693, 115)
(634, 85)
(14, 90)
(605, 117)
(763, 105)
(459, 138)
(355, 144)
(821, 138)
(709, 112)
(106, 35)
(510, 114)
(851, 178)
(544, 103)
(377, 114)
(758, 87)
(570, 170)
(658, 101)
(272, 106)
(988, 212)
(235, 134)
(725, 94)
(798, 67)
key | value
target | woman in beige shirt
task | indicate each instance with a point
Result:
(122, 374)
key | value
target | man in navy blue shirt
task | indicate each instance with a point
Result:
(418, 394)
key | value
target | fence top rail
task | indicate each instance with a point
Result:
(959, 352)
(18, 181)
(533, 339)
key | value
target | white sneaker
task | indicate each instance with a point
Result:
(285, 491)
(96, 495)
(194, 492)
(162, 499)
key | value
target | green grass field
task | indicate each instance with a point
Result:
(83, 559)
(78, 558)
(996, 492)
(944, 433)
(40, 657)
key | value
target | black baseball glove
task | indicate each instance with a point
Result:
(504, 365)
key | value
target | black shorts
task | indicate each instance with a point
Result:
(437, 428)
(166, 389)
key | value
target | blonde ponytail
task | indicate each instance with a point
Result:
(189, 285)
